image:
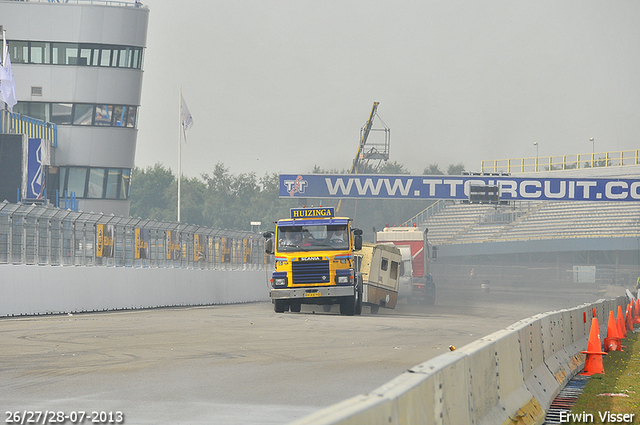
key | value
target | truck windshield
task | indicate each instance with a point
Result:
(312, 238)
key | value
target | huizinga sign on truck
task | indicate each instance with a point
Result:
(314, 261)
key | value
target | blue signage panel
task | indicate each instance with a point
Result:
(35, 170)
(456, 187)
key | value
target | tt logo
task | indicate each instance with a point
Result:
(295, 186)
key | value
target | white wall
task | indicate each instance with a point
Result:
(30, 290)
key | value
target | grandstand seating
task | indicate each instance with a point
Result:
(470, 223)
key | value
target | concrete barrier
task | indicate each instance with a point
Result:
(32, 290)
(508, 377)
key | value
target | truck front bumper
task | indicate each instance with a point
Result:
(311, 293)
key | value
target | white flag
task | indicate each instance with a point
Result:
(7, 84)
(185, 117)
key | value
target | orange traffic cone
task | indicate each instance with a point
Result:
(622, 333)
(636, 313)
(593, 362)
(628, 319)
(612, 340)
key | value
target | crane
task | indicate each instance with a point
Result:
(373, 151)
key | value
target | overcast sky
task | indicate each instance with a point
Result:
(280, 86)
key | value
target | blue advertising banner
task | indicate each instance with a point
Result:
(456, 187)
(36, 158)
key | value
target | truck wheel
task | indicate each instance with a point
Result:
(280, 306)
(295, 307)
(359, 300)
(374, 309)
(430, 297)
(348, 306)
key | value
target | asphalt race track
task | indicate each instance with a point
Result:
(244, 363)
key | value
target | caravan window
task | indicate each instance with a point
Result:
(385, 264)
(393, 274)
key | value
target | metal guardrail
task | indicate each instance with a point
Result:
(45, 235)
(424, 215)
(563, 162)
(98, 2)
(627, 234)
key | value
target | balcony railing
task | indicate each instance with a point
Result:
(14, 123)
(98, 2)
(563, 162)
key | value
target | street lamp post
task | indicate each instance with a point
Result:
(593, 150)
(536, 145)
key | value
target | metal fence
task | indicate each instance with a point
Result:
(45, 235)
(562, 162)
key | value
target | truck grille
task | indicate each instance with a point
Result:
(310, 272)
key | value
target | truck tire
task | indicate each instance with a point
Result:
(348, 306)
(430, 296)
(295, 306)
(374, 309)
(358, 298)
(280, 306)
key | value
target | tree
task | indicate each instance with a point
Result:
(455, 170)
(267, 206)
(392, 168)
(222, 200)
(233, 202)
(153, 193)
(318, 170)
(433, 170)
(192, 197)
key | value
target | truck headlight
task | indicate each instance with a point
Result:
(343, 279)
(344, 276)
(280, 281)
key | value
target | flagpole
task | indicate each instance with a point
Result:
(5, 117)
(4, 45)
(179, 149)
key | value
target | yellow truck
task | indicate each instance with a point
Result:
(380, 267)
(314, 261)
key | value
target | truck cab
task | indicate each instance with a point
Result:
(314, 261)
(418, 285)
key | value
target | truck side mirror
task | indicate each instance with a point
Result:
(357, 242)
(268, 243)
(357, 239)
(268, 246)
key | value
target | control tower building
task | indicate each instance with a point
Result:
(78, 64)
